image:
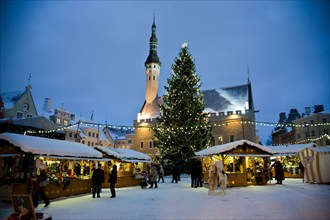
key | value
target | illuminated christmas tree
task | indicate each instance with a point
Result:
(182, 127)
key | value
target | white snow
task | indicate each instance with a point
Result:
(218, 149)
(125, 154)
(292, 200)
(50, 147)
(291, 149)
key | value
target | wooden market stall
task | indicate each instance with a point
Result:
(68, 164)
(244, 162)
(289, 156)
(129, 162)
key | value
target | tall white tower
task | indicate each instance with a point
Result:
(152, 65)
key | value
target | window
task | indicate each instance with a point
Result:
(29, 115)
(313, 133)
(129, 141)
(306, 135)
(153, 78)
(70, 135)
(93, 134)
(220, 140)
(239, 112)
(92, 144)
(97, 135)
(25, 107)
(150, 144)
(89, 143)
(58, 121)
(229, 112)
(312, 122)
(65, 123)
(89, 134)
(141, 145)
(149, 77)
(83, 141)
(299, 136)
(19, 115)
(75, 135)
(232, 138)
(324, 120)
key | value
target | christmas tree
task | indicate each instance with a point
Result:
(182, 127)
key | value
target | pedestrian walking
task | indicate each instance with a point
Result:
(97, 180)
(175, 174)
(153, 176)
(279, 172)
(113, 180)
(161, 174)
(39, 187)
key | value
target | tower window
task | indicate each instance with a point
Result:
(141, 145)
(153, 78)
(149, 78)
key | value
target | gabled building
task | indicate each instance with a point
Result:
(18, 104)
(119, 137)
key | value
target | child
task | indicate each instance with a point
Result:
(144, 180)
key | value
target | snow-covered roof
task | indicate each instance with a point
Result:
(40, 122)
(118, 134)
(323, 149)
(50, 147)
(227, 99)
(10, 98)
(128, 155)
(225, 148)
(291, 149)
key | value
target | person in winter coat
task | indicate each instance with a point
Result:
(161, 173)
(153, 176)
(97, 180)
(39, 187)
(279, 173)
(113, 181)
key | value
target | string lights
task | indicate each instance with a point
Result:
(146, 125)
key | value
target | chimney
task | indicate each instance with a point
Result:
(282, 118)
(318, 108)
(48, 105)
(307, 110)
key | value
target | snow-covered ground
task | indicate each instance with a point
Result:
(292, 200)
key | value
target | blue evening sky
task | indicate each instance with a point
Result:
(89, 55)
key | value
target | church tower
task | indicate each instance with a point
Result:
(152, 65)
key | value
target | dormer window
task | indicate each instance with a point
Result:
(25, 107)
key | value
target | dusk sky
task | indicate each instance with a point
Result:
(88, 56)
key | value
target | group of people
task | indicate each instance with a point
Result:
(150, 176)
(98, 177)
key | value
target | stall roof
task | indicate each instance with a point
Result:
(291, 149)
(224, 148)
(128, 155)
(50, 147)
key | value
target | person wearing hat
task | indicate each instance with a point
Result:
(39, 187)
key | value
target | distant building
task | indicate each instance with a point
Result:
(231, 109)
(307, 127)
(18, 104)
(119, 137)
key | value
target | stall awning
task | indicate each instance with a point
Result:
(50, 147)
(127, 155)
(230, 147)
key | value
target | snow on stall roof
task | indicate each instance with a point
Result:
(50, 147)
(291, 149)
(219, 149)
(124, 154)
(323, 149)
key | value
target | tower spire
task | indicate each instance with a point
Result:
(153, 57)
(248, 72)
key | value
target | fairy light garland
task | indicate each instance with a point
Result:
(266, 124)
(308, 140)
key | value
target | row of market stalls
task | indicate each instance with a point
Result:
(248, 163)
(69, 165)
